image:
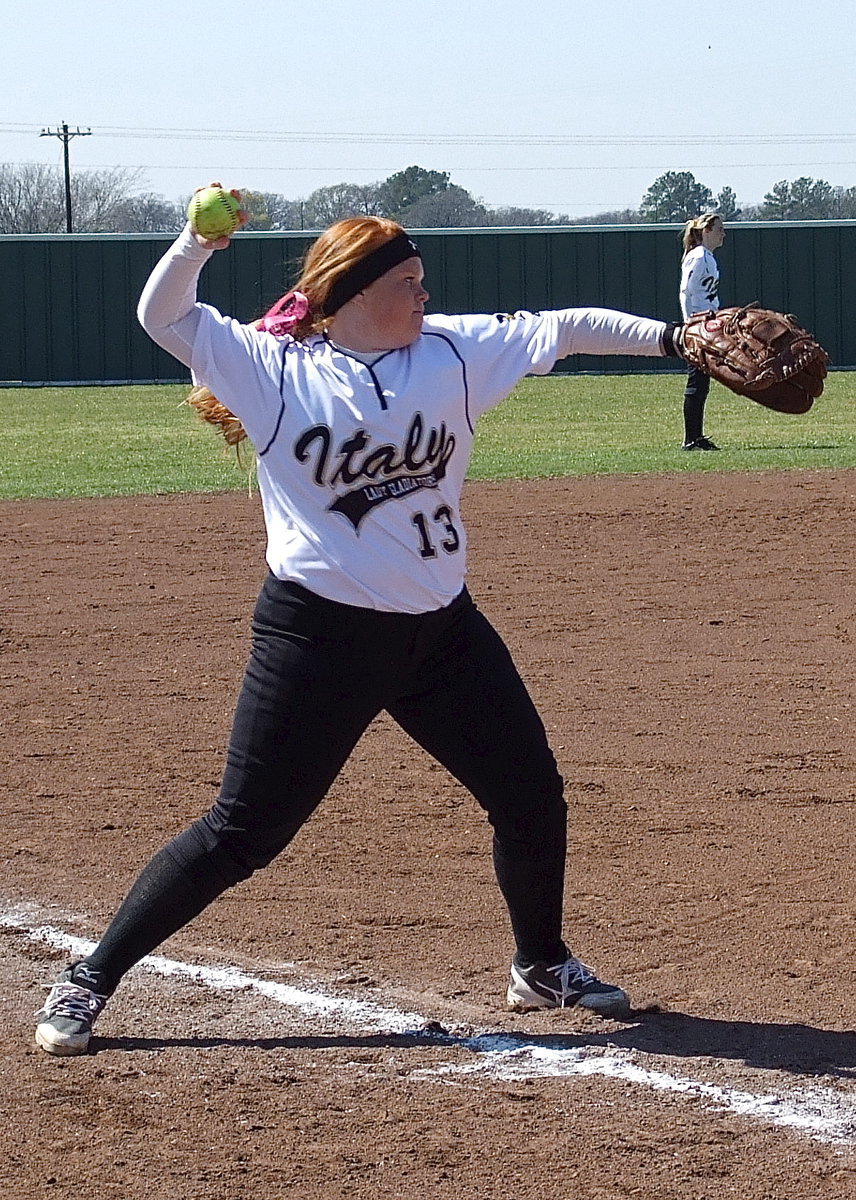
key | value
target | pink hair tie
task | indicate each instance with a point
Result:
(285, 314)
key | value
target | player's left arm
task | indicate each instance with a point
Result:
(608, 331)
(499, 350)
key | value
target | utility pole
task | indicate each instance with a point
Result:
(65, 135)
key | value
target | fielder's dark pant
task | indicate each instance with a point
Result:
(695, 397)
(318, 674)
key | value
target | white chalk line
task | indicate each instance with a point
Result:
(825, 1115)
(821, 1113)
(360, 1013)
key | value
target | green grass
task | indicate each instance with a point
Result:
(99, 441)
(103, 441)
(632, 424)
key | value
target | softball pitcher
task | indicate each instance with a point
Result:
(362, 412)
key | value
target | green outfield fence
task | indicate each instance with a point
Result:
(68, 300)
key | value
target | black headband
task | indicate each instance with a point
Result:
(367, 270)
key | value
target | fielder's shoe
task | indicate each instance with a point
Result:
(701, 443)
(567, 984)
(70, 1011)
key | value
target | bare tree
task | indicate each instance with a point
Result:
(844, 203)
(97, 195)
(271, 211)
(618, 216)
(31, 198)
(510, 215)
(452, 208)
(328, 204)
(146, 213)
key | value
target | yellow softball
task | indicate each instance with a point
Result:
(213, 213)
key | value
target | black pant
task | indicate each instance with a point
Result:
(695, 396)
(318, 674)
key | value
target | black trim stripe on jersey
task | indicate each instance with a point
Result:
(272, 439)
(457, 354)
(368, 366)
(376, 382)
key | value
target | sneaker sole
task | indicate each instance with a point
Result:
(617, 1006)
(521, 998)
(46, 1039)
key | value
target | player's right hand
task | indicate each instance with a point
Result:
(223, 242)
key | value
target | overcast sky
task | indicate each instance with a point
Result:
(571, 107)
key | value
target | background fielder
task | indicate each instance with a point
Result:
(699, 292)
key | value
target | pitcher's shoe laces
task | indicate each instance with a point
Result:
(564, 985)
(573, 974)
(68, 1015)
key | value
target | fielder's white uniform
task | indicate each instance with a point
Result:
(699, 290)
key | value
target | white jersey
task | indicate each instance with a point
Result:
(360, 466)
(699, 290)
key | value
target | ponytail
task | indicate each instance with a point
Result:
(694, 228)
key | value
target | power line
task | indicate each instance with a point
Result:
(469, 139)
(473, 140)
(450, 169)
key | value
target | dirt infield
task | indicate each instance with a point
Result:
(690, 643)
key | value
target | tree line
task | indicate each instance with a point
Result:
(32, 200)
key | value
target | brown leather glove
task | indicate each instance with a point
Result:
(758, 353)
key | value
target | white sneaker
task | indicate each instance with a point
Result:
(68, 1014)
(568, 984)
